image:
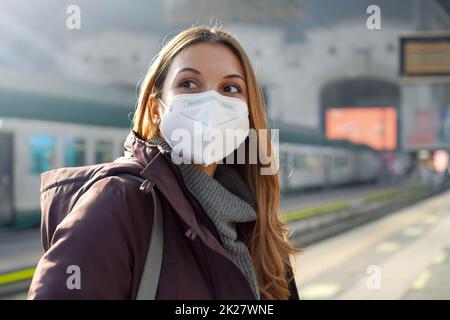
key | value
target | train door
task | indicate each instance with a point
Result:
(327, 167)
(285, 168)
(6, 178)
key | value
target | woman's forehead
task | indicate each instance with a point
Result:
(207, 58)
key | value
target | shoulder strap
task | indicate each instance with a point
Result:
(153, 261)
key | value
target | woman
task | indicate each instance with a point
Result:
(222, 235)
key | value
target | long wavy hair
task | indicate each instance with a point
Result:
(268, 240)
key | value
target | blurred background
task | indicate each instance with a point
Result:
(360, 91)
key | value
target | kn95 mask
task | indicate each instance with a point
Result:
(204, 127)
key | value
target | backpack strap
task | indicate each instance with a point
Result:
(153, 261)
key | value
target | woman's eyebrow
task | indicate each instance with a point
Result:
(187, 69)
(235, 75)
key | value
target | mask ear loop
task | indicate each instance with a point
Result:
(158, 121)
(163, 104)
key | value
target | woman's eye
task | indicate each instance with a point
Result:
(229, 88)
(186, 83)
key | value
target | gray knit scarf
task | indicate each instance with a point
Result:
(226, 199)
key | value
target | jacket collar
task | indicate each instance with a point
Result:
(162, 172)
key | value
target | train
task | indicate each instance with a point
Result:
(40, 132)
(309, 160)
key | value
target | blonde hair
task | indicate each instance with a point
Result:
(268, 243)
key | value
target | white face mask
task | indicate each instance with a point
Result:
(205, 127)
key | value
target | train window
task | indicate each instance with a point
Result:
(337, 161)
(310, 161)
(300, 161)
(317, 162)
(74, 152)
(103, 151)
(42, 153)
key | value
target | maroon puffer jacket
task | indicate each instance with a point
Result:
(101, 224)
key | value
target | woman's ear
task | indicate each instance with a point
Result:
(154, 110)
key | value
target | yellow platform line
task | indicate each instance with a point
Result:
(16, 276)
(440, 257)
(422, 280)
